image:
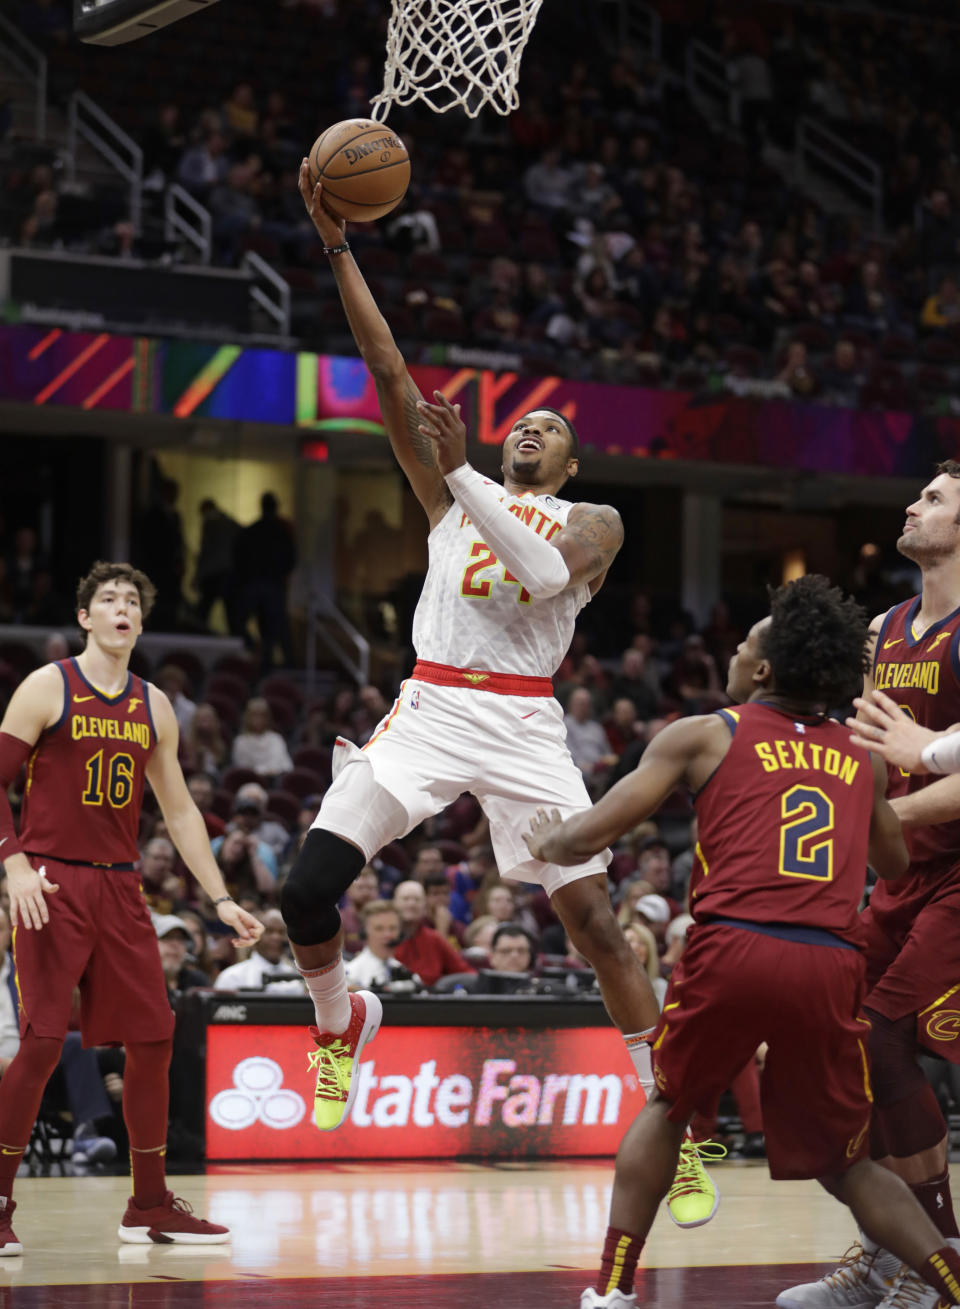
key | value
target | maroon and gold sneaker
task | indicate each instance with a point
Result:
(9, 1245)
(170, 1223)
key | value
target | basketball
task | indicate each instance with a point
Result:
(364, 168)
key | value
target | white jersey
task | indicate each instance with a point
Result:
(474, 614)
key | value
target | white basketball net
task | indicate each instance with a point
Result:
(455, 52)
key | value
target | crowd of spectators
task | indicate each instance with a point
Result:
(606, 229)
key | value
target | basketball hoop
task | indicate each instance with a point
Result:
(455, 52)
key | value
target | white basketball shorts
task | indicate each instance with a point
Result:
(438, 741)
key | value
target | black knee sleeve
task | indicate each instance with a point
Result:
(321, 873)
(894, 1070)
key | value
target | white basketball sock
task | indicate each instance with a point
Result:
(328, 991)
(638, 1048)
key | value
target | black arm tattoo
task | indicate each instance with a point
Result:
(599, 531)
(421, 445)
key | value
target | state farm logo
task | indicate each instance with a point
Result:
(257, 1095)
(501, 1095)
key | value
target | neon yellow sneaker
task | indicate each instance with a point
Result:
(694, 1199)
(336, 1057)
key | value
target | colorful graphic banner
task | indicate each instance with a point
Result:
(425, 1093)
(327, 394)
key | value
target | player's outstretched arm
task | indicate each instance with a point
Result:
(36, 704)
(669, 760)
(888, 853)
(939, 802)
(188, 832)
(396, 391)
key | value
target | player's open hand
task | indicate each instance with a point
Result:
(247, 928)
(28, 890)
(445, 428)
(332, 231)
(884, 728)
(544, 839)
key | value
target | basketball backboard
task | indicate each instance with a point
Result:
(113, 22)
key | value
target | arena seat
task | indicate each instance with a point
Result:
(278, 684)
(284, 713)
(302, 782)
(229, 685)
(285, 806)
(235, 777)
(314, 757)
(189, 662)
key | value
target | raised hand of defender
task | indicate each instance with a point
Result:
(247, 928)
(442, 423)
(28, 890)
(884, 728)
(332, 231)
(543, 828)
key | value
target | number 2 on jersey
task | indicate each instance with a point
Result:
(483, 557)
(806, 834)
(119, 780)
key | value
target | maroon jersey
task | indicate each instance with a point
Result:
(85, 775)
(784, 825)
(923, 675)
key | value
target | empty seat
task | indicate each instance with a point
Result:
(286, 806)
(314, 757)
(302, 782)
(237, 776)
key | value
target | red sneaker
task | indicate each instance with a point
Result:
(336, 1057)
(9, 1244)
(170, 1223)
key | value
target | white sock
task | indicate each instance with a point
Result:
(638, 1048)
(328, 991)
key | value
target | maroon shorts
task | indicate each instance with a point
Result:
(100, 938)
(734, 989)
(919, 973)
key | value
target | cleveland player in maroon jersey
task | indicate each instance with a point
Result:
(89, 733)
(787, 810)
(913, 942)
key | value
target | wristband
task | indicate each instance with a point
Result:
(223, 900)
(336, 249)
(947, 762)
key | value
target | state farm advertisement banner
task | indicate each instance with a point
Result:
(424, 1093)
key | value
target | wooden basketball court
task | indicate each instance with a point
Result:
(402, 1236)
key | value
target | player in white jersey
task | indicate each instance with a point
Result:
(510, 567)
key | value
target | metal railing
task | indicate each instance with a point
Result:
(23, 58)
(186, 217)
(820, 149)
(277, 305)
(86, 120)
(638, 26)
(708, 82)
(351, 649)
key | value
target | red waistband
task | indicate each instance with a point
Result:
(473, 680)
